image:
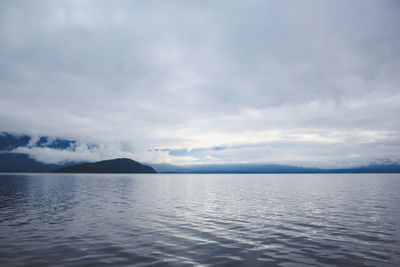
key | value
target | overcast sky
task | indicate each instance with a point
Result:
(311, 83)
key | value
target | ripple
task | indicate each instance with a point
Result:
(204, 220)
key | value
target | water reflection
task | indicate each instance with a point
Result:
(255, 220)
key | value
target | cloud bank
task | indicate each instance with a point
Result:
(311, 83)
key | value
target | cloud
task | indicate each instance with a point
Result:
(311, 82)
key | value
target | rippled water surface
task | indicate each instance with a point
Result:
(189, 219)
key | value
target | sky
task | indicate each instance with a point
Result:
(308, 83)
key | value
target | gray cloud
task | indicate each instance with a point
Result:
(305, 82)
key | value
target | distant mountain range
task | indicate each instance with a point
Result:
(18, 162)
(8, 142)
(272, 168)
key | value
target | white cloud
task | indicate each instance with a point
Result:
(320, 77)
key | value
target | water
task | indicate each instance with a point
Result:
(212, 219)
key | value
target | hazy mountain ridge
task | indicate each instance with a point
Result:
(272, 168)
(18, 162)
(8, 142)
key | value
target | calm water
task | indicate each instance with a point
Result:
(213, 219)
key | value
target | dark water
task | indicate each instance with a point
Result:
(224, 220)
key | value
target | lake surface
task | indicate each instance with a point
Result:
(206, 220)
